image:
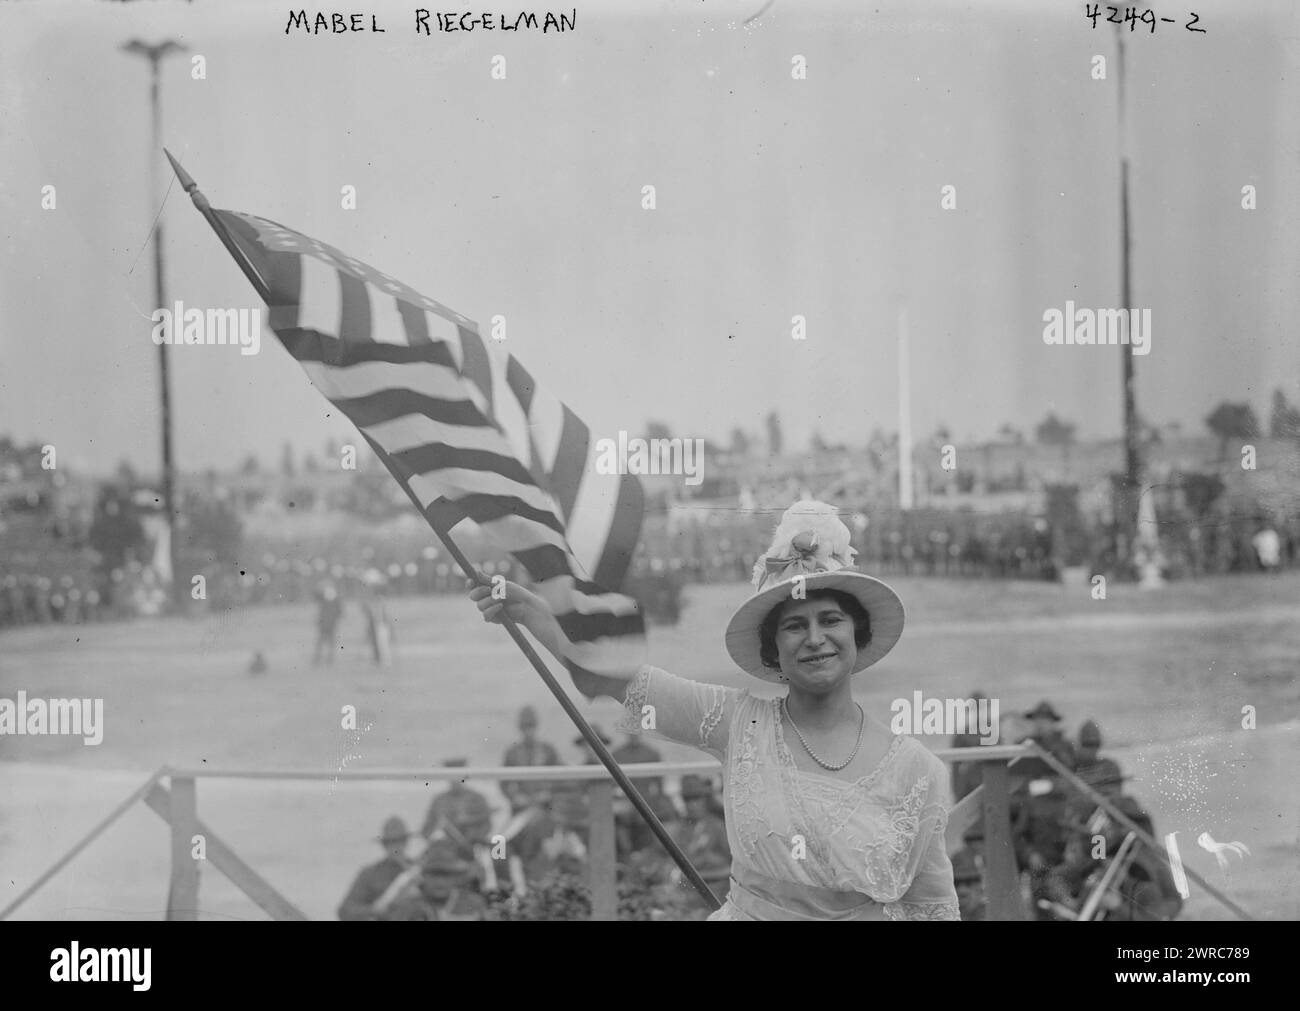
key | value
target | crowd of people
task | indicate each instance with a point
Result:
(27, 599)
(40, 600)
(470, 857)
(921, 544)
(1065, 841)
(1029, 548)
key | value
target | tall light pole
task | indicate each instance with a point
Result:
(1132, 458)
(154, 54)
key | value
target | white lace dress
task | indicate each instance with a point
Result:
(807, 846)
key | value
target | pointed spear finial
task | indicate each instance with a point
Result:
(188, 184)
(205, 208)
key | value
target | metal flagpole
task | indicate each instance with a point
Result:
(154, 55)
(1132, 458)
(597, 745)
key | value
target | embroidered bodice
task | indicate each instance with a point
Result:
(877, 842)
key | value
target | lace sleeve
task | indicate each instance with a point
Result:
(688, 712)
(932, 894)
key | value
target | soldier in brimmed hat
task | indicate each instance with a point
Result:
(1047, 733)
(460, 811)
(528, 751)
(1044, 711)
(374, 880)
(807, 840)
(447, 887)
(1091, 767)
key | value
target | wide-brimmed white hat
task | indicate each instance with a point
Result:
(813, 543)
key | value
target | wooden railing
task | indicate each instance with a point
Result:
(177, 804)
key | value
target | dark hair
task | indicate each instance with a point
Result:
(848, 603)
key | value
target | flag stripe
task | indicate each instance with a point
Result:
(546, 422)
(586, 627)
(544, 562)
(570, 462)
(442, 329)
(389, 404)
(412, 430)
(318, 301)
(510, 415)
(436, 456)
(589, 520)
(443, 515)
(283, 271)
(600, 600)
(416, 323)
(387, 324)
(370, 377)
(624, 531)
(354, 293)
(475, 365)
(313, 346)
(520, 533)
(493, 510)
(453, 480)
(521, 384)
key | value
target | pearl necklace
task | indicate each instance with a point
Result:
(826, 765)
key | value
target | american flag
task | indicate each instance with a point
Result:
(463, 428)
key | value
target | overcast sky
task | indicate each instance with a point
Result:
(776, 197)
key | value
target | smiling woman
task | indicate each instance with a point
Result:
(847, 825)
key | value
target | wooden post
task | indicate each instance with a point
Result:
(183, 897)
(228, 862)
(1001, 879)
(601, 856)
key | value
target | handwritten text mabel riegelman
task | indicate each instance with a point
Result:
(334, 23)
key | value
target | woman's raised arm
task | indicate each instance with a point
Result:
(529, 610)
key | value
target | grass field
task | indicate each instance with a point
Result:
(1166, 675)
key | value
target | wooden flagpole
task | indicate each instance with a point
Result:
(593, 740)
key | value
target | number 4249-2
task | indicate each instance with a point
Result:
(1132, 17)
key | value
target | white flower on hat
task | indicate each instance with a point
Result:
(810, 538)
